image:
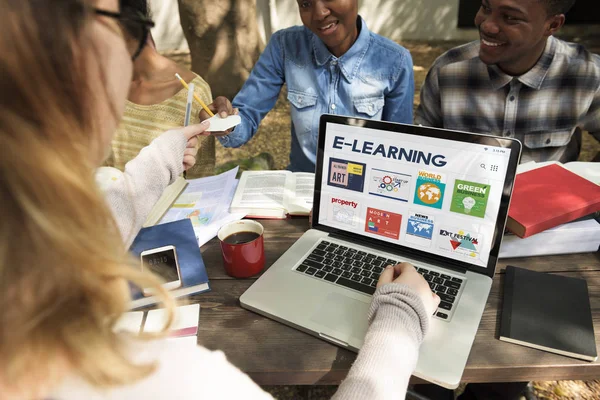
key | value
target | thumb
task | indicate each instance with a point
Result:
(194, 130)
(386, 276)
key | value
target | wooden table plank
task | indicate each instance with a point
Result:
(275, 354)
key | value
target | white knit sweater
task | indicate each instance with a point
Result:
(398, 320)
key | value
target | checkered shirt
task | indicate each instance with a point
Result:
(546, 108)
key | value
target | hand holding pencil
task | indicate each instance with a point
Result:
(221, 105)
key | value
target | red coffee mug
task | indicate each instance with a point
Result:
(242, 247)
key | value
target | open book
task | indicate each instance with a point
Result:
(273, 194)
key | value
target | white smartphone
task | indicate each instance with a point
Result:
(162, 261)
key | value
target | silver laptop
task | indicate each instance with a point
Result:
(387, 193)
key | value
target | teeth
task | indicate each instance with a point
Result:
(328, 26)
(491, 44)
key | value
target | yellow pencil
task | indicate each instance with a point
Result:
(185, 85)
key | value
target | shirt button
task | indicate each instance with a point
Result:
(333, 106)
(334, 63)
(512, 98)
(370, 107)
(548, 141)
(300, 99)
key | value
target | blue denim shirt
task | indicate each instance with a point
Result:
(373, 79)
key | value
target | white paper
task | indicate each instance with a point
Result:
(203, 200)
(184, 341)
(130, 322)
(586, 169)
(301, 199)
(207, 232)
(262, 189)
(185, 317)
(218, 124)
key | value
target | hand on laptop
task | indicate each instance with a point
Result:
(406, 274)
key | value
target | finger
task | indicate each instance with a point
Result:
(204, 115)
(236, 111)
(190, 152)
(403, 267)
(193, 142)
(435, 303)
(386, 276)
(223, 106)
(194, 130)
(189, 160)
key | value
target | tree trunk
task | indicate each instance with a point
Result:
(223, 39)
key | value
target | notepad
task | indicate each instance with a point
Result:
(185, 321)
(218, 124)
(548, 312)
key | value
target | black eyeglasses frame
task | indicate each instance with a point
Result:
(145, 23)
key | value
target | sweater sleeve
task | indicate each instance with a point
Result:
(132, 196)
(382, 370)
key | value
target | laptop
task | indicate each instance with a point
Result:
(387, 193)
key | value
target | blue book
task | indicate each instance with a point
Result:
(179, 234)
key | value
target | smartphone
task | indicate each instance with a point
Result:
(162, 261)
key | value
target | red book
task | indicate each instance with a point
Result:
(550, 196)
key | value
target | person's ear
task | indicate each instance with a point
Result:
(554, 24)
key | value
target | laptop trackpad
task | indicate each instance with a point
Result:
(344, 315)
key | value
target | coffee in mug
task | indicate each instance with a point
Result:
(242, 247)
(241, 237)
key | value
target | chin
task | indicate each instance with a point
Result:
(487, 59)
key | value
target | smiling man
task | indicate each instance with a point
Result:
(333, 64)
(518, 81)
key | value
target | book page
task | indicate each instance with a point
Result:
(302, 186)
(261, 189)
(204, 199)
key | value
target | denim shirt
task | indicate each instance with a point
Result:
(373, 79)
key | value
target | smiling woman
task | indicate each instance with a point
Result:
(332, 64)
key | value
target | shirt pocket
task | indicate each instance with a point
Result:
(542, 139)
(371, 106)
(303, 110)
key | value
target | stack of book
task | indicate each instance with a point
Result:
(555, 209)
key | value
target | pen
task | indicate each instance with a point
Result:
(188, 106)
(185, 85)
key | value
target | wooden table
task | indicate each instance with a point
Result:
(275, 354)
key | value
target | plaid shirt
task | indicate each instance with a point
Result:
(546, 108)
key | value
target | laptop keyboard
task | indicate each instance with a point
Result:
(360, 270)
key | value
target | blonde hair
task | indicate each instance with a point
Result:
(62, 261)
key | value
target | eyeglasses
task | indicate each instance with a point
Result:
(136, 26)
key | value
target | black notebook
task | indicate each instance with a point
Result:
(548, 312)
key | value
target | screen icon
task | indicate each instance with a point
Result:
(482, 165)
(494, 168)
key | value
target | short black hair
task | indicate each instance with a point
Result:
(135, 8)
(556, 7)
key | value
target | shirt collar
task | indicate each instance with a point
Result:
(532, 78)
(350, 61)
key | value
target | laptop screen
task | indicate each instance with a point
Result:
(415, 187)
